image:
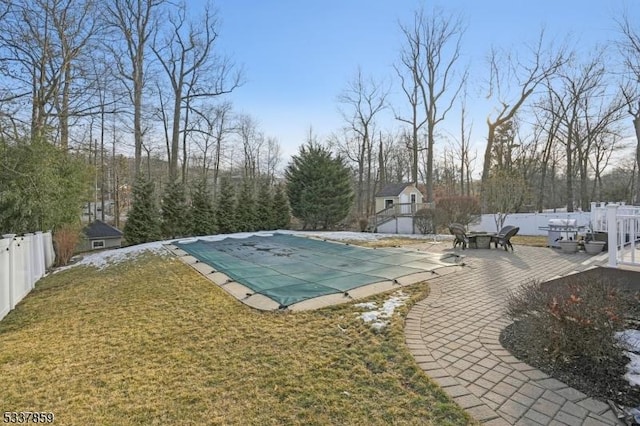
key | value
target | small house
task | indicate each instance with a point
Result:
(396, 207)
(397, 194)
(99, 235)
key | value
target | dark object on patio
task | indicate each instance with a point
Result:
(458, 231)
(504, 237)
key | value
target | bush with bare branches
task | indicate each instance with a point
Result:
(65, 241)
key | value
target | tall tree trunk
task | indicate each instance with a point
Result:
(185, 163)
(430, 140)
(64, 113)
(382, 173)
(175, 137)
(636, 126)
(414, 152)
(137, 117)
(486, 167)
(569, 177)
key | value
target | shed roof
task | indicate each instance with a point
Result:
(99, 229)
(392, 189)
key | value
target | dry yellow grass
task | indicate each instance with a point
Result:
(152, 342)
(523, 240)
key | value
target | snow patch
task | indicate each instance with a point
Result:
(633, 369)
(104, 258)
(630, 340)
(379, 318)
(367, 305)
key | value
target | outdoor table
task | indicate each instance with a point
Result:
(481, 240)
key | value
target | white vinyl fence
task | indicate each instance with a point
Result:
(23, 261)
(529, 223)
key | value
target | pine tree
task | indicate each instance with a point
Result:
(175, 211)
(281, 210)
(265, 218)
(246, 208)
(143, 221)
(203, 220)
(225, 208)
(319, 187)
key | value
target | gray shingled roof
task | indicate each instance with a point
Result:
(99, 229)
(392, 189)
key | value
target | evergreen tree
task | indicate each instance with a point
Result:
(281, 211)
(41, 186)
(246, 208)
(143, 221)
(319, 187)
(175, 220)
(203, 220)
(225, 208)
(265, 218)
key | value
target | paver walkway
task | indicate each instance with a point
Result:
(454, 336)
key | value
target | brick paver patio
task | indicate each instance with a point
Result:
(454, 336)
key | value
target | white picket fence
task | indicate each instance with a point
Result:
(23, 261)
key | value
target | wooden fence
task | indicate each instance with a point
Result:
(23, 261)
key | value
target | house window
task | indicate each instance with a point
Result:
(413, 198)
(97, 244)
(388, 203)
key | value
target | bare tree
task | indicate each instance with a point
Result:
(630, 48)
(505, 69)
(252, 142)
(75, 28)
(604, 146)
(133, 22)
(429, 78)
(583, 111)
(194, 71)
(41, 42)
(212, 127)
(364, 99)
(546, 126)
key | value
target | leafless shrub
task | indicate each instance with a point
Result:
(572, 320)
(65, 240)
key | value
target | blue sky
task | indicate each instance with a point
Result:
(300, 55)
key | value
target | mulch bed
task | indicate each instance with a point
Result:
(602, 379)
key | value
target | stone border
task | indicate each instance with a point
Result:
(459, 347)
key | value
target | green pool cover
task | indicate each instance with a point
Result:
(290, 269)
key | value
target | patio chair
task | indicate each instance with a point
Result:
(458, 231)
(504, 237)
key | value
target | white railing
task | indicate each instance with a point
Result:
(599, 214)
(623, 233)
(23, 261)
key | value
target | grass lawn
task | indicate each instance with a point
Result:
(150, 341)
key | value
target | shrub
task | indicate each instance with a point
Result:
(363, 223)
(426, 221)
(65, 240)
(459, 209)
(571, 321)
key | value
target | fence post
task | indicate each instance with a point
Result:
(49, 255)
(12, 270)
(39, 250)
(612, 234)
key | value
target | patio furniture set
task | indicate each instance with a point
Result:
(482, 240)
